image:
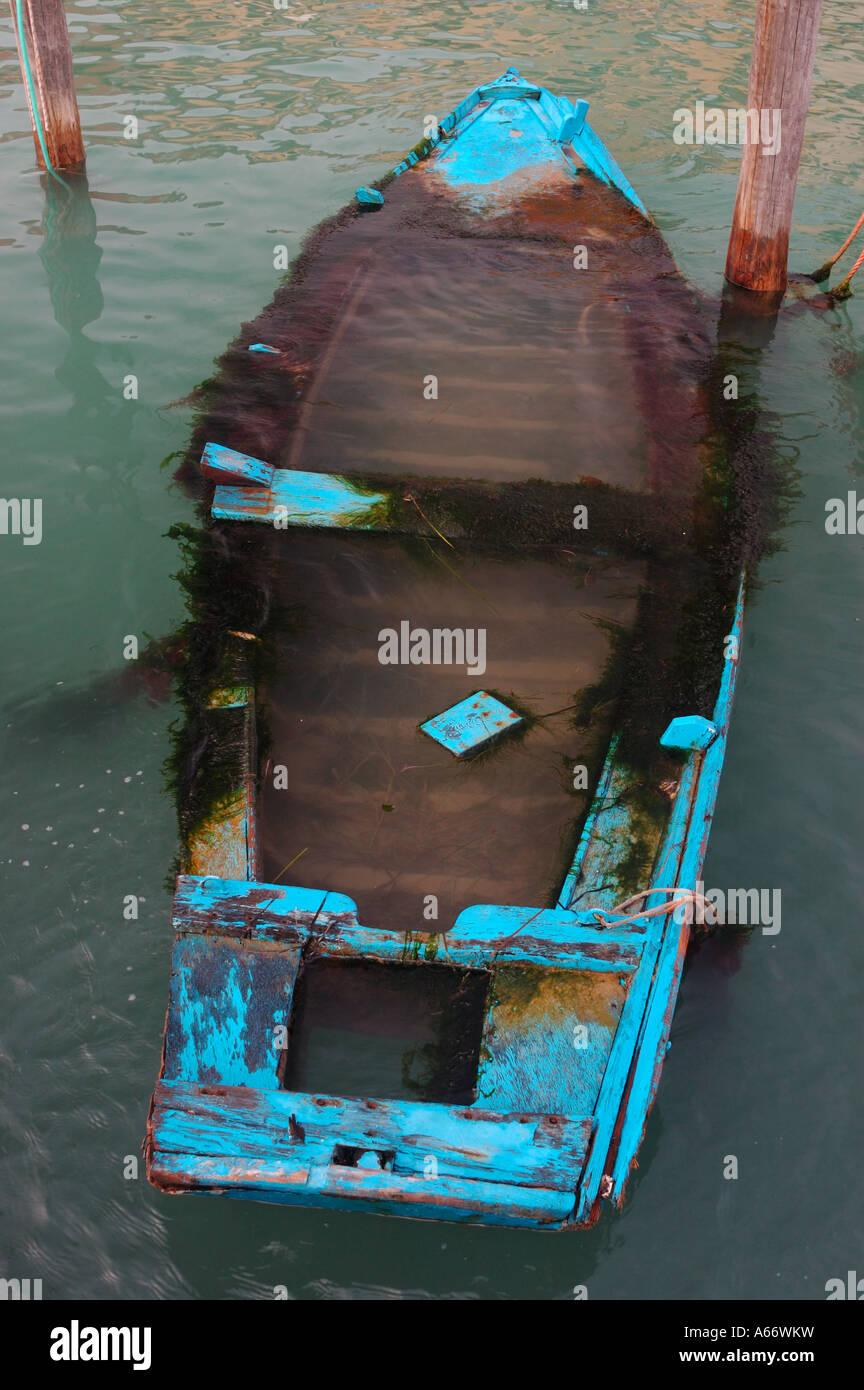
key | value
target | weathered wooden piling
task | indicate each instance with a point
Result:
(46, 65)
(781, 73)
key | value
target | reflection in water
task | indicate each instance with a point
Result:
(69, 252)
(71, 256)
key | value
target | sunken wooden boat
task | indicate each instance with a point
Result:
(465, 614)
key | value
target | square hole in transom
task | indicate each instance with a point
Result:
(392, 1032)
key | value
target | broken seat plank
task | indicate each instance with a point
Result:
(223, 465)
(294, 498)
(482, 936)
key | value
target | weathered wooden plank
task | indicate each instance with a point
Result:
(613, 1084)
(601, 797)
(416, 1156)
(228, 998)
(288, 914)
(264, 911)
(173, 1170)
(548, 1038)
(223, 465)
(224, 843)
(493, 922)
(453, 1199)
(615, 829)
(496, 91)
(522, 1149)
(474, 1196)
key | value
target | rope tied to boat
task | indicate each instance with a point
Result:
(825, 270)
(686, 897)
(841, 290)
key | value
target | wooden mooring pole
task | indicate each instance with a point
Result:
(781, 73)
(46, 66)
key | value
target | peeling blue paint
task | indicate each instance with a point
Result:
(226, 1004)
(508, 127)
(223, 465)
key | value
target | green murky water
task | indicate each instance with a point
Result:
(254, 124)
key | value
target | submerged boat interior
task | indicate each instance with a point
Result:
(378, 808)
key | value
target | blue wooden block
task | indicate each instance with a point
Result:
(471, 724)
(370, 196)
(223, 465)
(573, 123)
(690, 731)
